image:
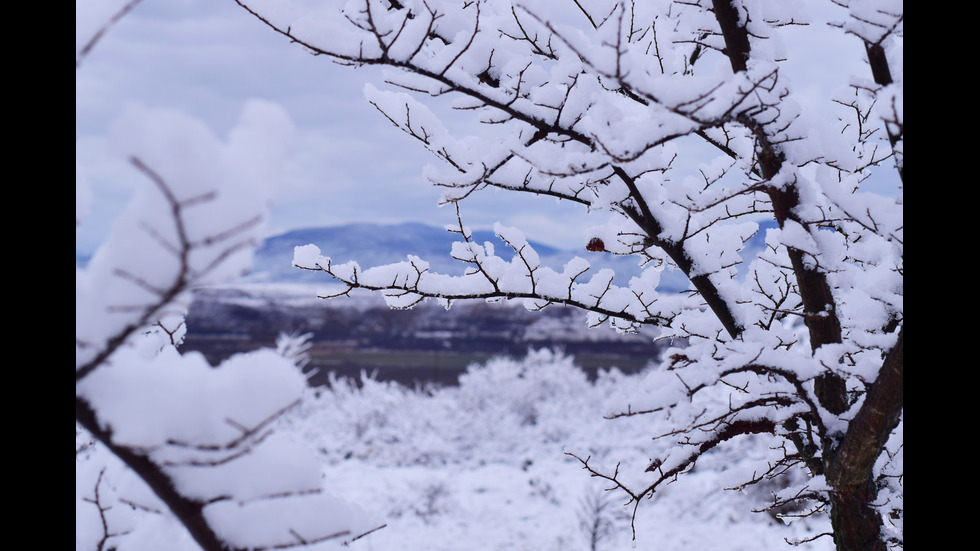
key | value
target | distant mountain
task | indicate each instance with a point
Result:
(367, 244)
(377, 244)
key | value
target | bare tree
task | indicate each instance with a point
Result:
(601, 104)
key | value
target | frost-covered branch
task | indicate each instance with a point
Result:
(163, 295)
(490, 277)
(189, 446)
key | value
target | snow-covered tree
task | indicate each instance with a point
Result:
(170, 451)
(676, 125)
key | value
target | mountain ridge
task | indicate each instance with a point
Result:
(371, 244)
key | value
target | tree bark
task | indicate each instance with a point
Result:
(855, 521)
(850, 470)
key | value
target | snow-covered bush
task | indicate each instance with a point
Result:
(502, 411)
(445, 477)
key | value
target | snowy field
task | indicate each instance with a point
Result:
(483, 466)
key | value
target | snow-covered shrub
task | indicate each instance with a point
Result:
(501, 411)
(463, 464)
(541, 392)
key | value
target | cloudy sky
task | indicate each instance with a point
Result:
(347, 162)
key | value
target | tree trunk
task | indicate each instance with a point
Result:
(850, 470)
(855, 521)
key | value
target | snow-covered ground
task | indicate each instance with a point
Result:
(488, 465)
(485, 466)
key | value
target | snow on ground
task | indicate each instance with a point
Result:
(483, 466)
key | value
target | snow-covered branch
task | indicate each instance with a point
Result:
(187, 448)
(489, 277)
